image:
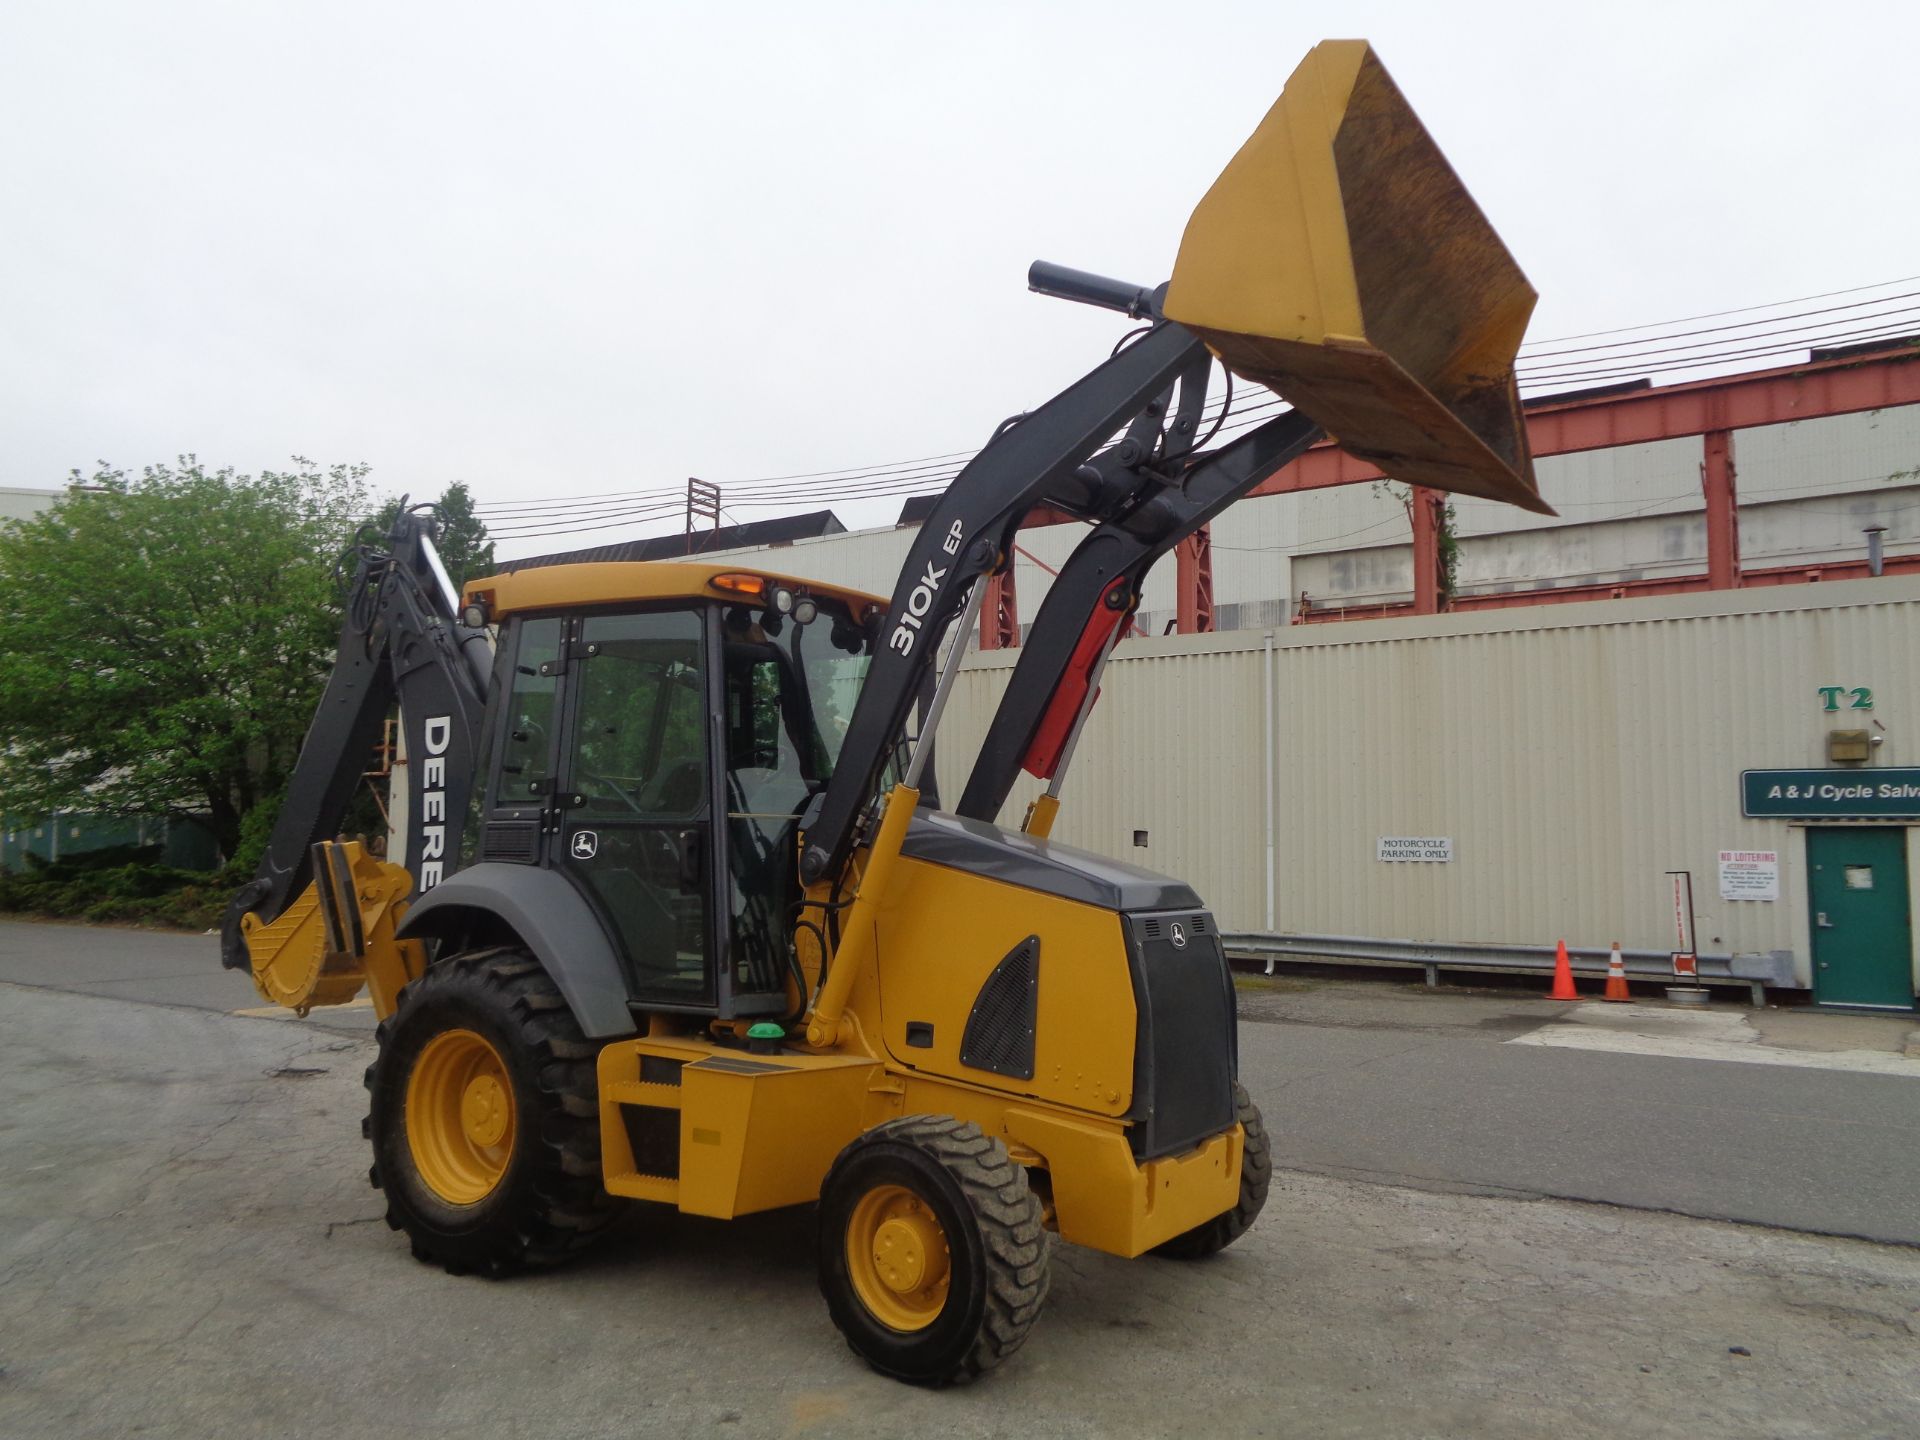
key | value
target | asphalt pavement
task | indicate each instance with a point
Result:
(189, 1250)
(1445, 1090)
(1452, 1091)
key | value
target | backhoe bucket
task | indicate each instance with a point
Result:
(1339, 261)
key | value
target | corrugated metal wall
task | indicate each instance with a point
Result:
(1573, 754)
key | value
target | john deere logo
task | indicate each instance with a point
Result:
(1179, 936)
(586, 844)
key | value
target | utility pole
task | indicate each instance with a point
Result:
(703, 502)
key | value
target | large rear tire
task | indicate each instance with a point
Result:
(1256, 1174)
(484, 1118)
(933, 1257)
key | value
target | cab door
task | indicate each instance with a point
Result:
(635, 800)
(520, 745)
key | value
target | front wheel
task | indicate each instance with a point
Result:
(1256, 1173)
(933, 1259)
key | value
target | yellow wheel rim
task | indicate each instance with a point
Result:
(897, 1258)
(460, 1117)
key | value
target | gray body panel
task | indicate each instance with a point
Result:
(554, 921)
(1044, 865)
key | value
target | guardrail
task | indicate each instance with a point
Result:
(1754, 969)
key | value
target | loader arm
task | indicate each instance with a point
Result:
(402, 640)
(1098, 585)
(1040, 458)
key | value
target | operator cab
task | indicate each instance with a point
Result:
(654, 734)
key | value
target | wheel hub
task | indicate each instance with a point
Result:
(483, 1109)
(898, 1258)
(909, 1252)
(460, 1116)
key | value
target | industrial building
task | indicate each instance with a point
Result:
(1743, 554)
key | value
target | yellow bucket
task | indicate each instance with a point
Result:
(1339, 261)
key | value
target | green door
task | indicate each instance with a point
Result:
(1862, 938)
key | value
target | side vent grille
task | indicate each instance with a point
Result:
(1153, 929)
(510, 840)
(999, 1034)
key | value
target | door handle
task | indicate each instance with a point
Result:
(1820, 919)
(693, 867)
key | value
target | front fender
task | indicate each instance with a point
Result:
(552, 919)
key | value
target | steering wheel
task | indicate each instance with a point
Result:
(620, 791)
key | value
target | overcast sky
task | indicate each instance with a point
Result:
(577, 248)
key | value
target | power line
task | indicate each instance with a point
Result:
(1891, 331)
(1720, 329)
(1738, 310)
(1806, 338)
(1647, 354)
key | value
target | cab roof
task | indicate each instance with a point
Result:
(559, 587)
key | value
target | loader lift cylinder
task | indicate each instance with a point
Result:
(823, 1026)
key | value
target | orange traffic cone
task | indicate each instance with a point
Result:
(1616, 976)
(1562, 977)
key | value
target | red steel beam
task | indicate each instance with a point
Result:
(1709, 408)
(1193, 582)
(1427, 591)
(1723, 512)
(1667, 412)
(1000, 613)
(1844, 386)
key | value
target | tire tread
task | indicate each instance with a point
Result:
(570, 1206)
(1011, 1228)
(1256, 1177)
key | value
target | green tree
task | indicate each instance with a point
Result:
(167, 637)
(464, 546)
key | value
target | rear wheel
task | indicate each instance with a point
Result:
(933, 1260)
(484, 1118)
(1256, 1173)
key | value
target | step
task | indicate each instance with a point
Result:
(642, 1092)
(645, 1187)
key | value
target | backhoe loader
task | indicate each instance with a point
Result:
(678, 917)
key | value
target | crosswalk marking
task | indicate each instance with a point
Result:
(1691, 1035)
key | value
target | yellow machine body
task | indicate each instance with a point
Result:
(546, 587)
(688, 1121)
(1339, 261)
(743, 1133)
(941, 935)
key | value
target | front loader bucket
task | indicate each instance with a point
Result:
(1339, 261)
